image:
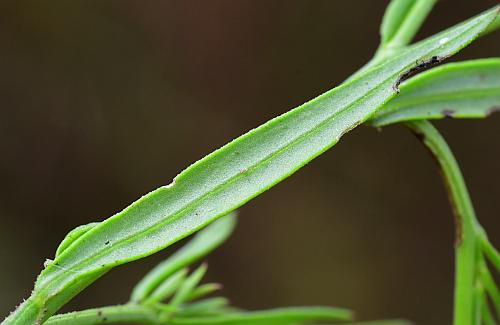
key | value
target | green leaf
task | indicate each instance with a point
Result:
(167, 287)
(211, 306)
(402, 19)
(486, 315)
(187, 287)
(234, 174)
(74, 235)
(492, 255)
(203, 243)
(490, 288)
(276, 316)
(469, 89)
(204, 290)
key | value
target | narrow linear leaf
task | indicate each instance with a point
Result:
(271, 317)
(491, 254)
(167, 288)
(469, 89)
(211, 306)
(234, 174)
(203, 290)
(188, 286)
(486, 315)
(491, 288)
(203, 243)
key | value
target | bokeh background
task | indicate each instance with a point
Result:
(103, 101)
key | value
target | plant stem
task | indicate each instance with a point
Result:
(128, 313)
(411, 23)
(29, 311)
(467, 228)
(490, 252)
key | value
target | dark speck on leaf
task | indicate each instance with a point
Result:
(107, 242)
(99, 313)
(448, 113)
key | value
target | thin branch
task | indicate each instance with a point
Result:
(467, 227)
(128, 313)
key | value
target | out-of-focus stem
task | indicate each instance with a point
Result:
(467, 228)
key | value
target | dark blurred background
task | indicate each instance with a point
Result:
(103, 101)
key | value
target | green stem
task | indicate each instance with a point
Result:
(467, 228)
(411, 23)
(30, 311)
(128, 313)
(409, 26)
(490, 252)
